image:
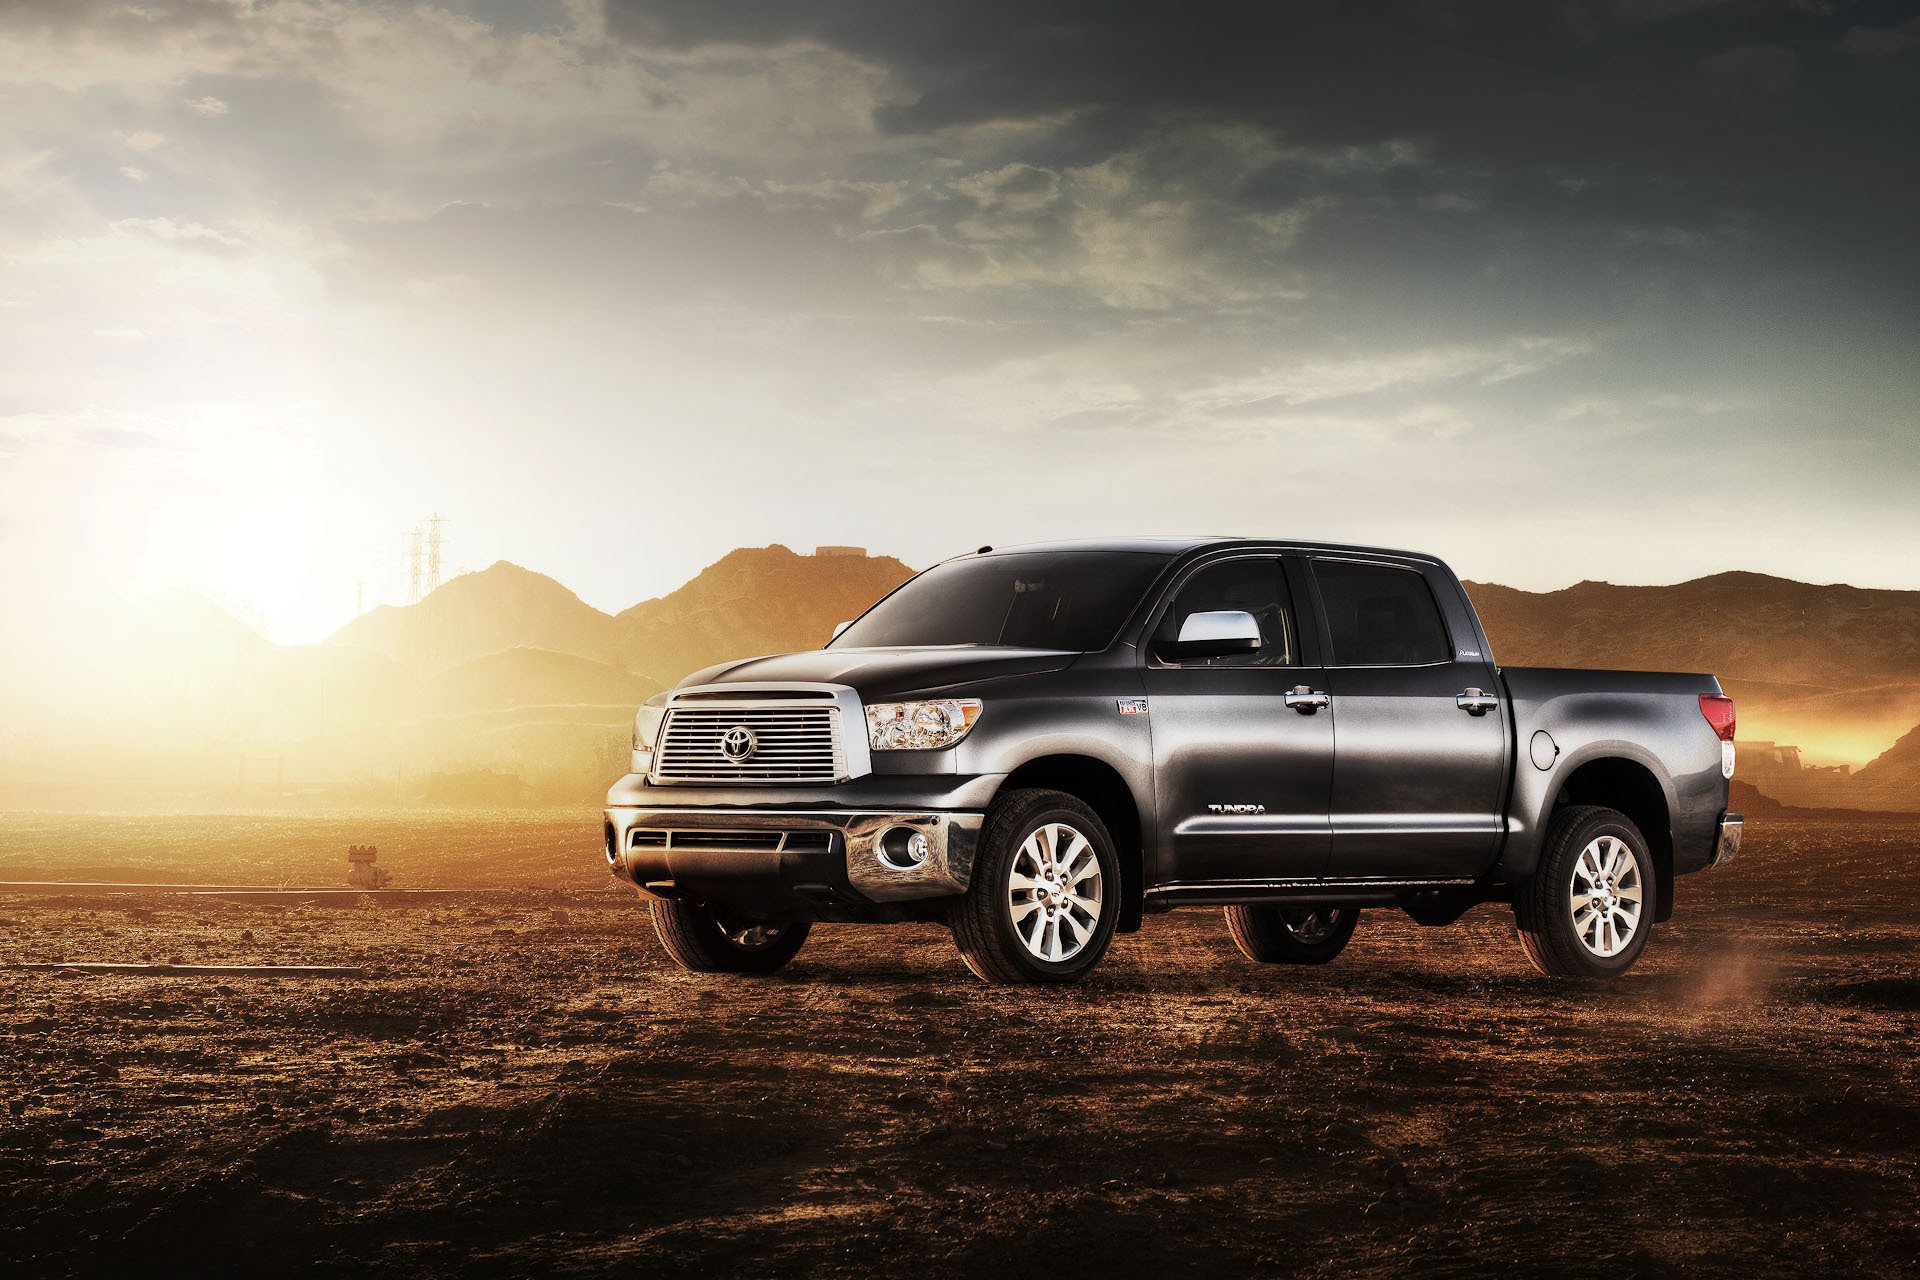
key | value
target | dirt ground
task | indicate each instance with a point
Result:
(519, 1083)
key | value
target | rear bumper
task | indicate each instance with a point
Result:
(1727, 846)
(793, 859)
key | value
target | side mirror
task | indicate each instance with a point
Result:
(838, 627)
(1214, 634)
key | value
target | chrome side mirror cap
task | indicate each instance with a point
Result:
(1214, 633)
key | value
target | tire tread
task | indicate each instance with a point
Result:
(1262, 936)
(689, 934)
(986, 950)
(1553, 950)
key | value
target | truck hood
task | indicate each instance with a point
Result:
(889, 673)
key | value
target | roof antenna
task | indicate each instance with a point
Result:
(982, 551)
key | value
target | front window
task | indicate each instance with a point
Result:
(1074, 600)
(1251, 584)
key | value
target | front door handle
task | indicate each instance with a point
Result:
(1306, 700)
(1476, 702)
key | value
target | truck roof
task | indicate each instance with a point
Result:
(1175, 546)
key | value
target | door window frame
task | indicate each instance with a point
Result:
(1307, 632)
(1326, 628)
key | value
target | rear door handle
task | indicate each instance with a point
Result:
(1306, 700)
(1476, 702)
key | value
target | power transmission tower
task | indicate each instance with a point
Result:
(413, 566)
(433, 552)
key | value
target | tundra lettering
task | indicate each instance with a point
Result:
(954, 755)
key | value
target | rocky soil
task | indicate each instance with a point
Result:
(518, 1083)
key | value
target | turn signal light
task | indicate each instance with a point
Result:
(1718, 709)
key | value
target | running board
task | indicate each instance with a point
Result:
(1349, 892)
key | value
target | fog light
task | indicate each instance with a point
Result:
(903, 848)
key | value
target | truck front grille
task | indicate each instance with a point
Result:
(785, 744)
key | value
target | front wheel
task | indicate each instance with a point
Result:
(1588, 911)
(1045, 894)
(1291, 935)
(708, 939)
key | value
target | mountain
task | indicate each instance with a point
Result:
(752, 601)
(1797, 638)
(1892, 779)
(523, 678)
(1832, 669)
(508, 671)
(478, 614)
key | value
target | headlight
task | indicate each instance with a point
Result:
(920, 726)
(646, 723)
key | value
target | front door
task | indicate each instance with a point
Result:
(1242, 777)
(1420, 740)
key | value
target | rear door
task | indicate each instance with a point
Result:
(1242, 777)
(1419, 738)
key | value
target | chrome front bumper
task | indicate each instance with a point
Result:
(661, 850)
(1727, 847)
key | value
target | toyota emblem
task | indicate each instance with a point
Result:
(738, 744)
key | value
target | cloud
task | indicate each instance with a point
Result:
(186, 235)
(859, 235)
(1881, 42)
(1768, 68)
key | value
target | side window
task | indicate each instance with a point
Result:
(1252, 585)
(1380, 616)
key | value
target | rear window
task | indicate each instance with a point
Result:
(1380, 616)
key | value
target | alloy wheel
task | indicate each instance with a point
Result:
(1055, 892)
(1311, 925)
(1606, 896)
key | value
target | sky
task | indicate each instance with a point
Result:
(1619, 289)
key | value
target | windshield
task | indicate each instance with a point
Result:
(1030, 600)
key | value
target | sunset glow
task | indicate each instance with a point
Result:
(283, 279)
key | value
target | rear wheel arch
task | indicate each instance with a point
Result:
(1629, 787)
(1101, 788)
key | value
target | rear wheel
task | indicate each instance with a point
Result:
(708, 939)
(1045, 894)
(1291, 935)
(1588, 911)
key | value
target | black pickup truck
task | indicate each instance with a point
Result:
(1041, 745)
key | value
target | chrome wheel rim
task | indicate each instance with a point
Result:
(749, 935)
(1606, 896)
(1311, 925)
(1054, 893)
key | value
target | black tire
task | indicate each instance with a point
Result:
(1291, 935)
(983, 921)
(1551, 929)
(705, 939)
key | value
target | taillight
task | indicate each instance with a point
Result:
(1718, 709)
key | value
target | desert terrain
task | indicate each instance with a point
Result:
(503, 688)
(517, 1082)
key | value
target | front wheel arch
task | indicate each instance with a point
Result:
(1100, 787)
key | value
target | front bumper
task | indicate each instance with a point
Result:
(775, 859)
(1727, 846)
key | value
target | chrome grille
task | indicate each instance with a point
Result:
(793, 744)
